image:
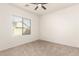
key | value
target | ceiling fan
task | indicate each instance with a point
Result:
(38, 5)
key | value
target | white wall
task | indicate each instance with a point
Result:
(61, 26)
(7, 40)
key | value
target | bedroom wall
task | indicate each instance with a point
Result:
(61, 26)
(7, 39)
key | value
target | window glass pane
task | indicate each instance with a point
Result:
(17, 25)
(26, 26)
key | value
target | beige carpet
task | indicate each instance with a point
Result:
(41, 48)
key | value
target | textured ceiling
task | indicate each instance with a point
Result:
(51, 7)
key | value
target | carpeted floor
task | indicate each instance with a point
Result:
(41, 48)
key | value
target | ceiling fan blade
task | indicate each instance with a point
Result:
(39, 3)
(43, 7)
(34, 3)
(36, 8)
(27, 5)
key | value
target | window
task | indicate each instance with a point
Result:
(21, 25)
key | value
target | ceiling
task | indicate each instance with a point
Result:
(51, 7)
